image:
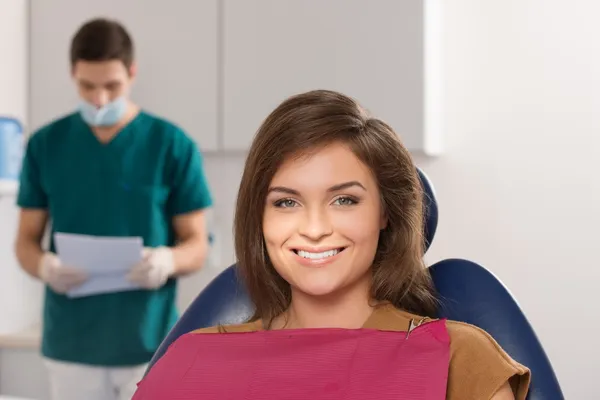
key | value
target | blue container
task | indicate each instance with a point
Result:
(11, 149)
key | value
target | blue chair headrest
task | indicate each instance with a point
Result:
(431, 209)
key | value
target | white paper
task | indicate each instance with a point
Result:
(106, 260)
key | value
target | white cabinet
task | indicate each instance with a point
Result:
(218, 67)
(176, 46)
(22, 370)
(375, 51)
(13, 84)
(13, 56)
(23, 374)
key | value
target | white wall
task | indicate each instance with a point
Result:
(516, 185)
(14, 285)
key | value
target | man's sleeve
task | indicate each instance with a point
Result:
(31, 192)
(189, 191)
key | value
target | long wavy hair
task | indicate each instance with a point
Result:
(307, 122)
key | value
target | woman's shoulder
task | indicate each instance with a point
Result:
(475, 357)
(233, 328)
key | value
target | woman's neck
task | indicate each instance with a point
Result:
(348, 310)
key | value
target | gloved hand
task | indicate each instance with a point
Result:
(58, 276)
(156, 267)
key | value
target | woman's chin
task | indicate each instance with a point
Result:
(318, 289)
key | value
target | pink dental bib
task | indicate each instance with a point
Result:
(307, 364)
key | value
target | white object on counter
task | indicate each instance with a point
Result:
(29, 338)
(8, 188)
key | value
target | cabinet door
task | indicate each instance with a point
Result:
(13, 56)
(176, 50)
(370, 50)
(23, 374)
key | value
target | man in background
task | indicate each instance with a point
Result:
(109, 169)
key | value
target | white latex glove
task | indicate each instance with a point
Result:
(156, 267)
(58, 276)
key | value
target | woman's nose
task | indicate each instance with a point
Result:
(316, 224)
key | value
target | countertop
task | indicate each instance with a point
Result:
(29, 338)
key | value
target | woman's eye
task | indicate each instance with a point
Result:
(285, 203)
(345, 201)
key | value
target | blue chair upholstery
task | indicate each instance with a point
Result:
(431, 209)
(470, 293)
(467, 291)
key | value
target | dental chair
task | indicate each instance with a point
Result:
(467, 291)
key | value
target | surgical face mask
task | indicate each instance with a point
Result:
(108, 115)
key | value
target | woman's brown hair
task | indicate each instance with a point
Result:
(305, 123)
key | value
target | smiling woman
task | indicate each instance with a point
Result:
(327, 176)
(329, 240)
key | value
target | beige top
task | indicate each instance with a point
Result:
(478, 365)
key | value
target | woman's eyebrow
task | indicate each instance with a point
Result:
(346, 185)
(283, 189)
(334, 188)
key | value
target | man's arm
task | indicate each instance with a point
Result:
(28, 244)
(33, 201)
(189, 199)
(190, 251)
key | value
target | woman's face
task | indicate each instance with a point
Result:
(322, 221)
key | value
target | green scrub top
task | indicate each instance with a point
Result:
(131, 186)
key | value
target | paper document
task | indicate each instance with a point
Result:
(106, 260)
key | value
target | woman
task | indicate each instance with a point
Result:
(329, 240)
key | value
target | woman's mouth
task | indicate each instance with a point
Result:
(322, 255)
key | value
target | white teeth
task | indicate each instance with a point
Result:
(317, 256)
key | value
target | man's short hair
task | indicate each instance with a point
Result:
(102, 39)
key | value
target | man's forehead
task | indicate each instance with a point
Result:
(100, 72)
(100, 81)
